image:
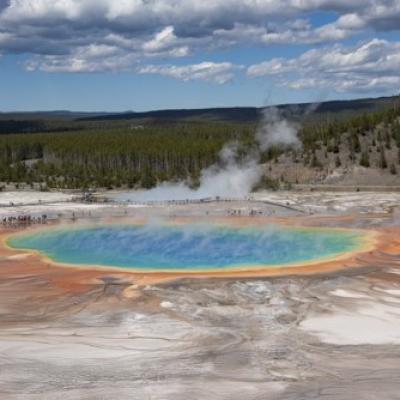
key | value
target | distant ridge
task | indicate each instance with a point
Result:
(234, 114)
(216, 114)
(56, 114)
(246, 114)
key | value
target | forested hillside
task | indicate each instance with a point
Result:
(141, 153)
(111, 157)
(363, 149)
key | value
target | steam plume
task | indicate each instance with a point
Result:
(230, 177)
(276, 130)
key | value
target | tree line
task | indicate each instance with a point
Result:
(115, 154)
(133, 156)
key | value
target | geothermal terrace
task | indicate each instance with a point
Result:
(320, 328)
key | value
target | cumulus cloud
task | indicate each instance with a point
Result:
(206, 71)
(372, 65)
(271, 67)
(91, 58)
(166, 40)
(93, 35)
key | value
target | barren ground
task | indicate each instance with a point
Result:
(78, 334)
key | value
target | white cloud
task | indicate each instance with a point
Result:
(162, 39)
(271, 67)
(372, 65)
(92, 58)
(206, 71)
(57, 32)
(165, 40)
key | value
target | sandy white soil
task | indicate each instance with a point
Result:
(265, 203)
(53, 204)
(281, 339)
(334, 202)
(32, 197)
(371, 323)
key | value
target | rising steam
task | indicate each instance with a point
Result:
(229, 177)
(276, 130)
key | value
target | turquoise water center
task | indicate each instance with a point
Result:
(186, 246)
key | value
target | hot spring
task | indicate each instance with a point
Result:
(186, 247)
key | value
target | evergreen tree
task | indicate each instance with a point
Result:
(364, 161)
(383, 162)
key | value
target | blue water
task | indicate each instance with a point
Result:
(185, 247)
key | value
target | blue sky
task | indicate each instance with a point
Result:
(141, 55)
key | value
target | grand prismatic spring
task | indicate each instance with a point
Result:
(190, 301)
(187, 247)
